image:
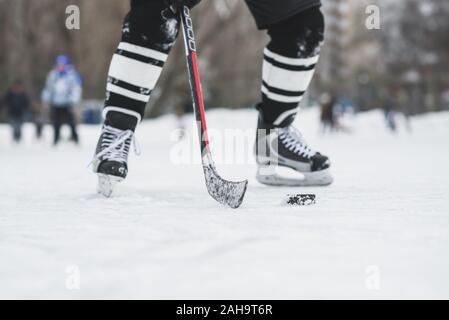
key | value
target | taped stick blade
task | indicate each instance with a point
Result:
(225, 192)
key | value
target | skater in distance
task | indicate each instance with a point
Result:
(17, 104)
(296, 30)
(62, 93)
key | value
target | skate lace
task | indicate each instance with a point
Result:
(295, 142)
(115, 145)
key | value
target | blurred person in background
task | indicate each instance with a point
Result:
(39, 119)
(344, 114)
(390, 113)
(296, 30)
(445, 98)
(181, 111)
(328, 119)
(403, 106)
(62, 93)
(17, 104)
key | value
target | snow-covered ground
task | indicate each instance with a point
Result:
(381, 231)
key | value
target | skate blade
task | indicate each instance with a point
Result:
(106, 184)
(282, 176)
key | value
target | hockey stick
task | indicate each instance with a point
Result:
(226, 192)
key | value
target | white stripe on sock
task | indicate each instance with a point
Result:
(279, 97)
(284, 116)
(292, 61)
(134, 72)
(143, 51)
(286, 79)
(127, 93)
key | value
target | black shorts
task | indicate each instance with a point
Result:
(269, 12)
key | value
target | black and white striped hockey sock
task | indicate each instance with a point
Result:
(149, 32)
(289, 65)
(133, 74)
(284, 82)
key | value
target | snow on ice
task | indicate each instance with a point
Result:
(381, 231)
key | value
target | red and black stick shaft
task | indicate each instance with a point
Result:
(195, 81)
(224, 191)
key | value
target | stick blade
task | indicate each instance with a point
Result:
(225, 192)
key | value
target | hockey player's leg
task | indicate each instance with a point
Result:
(149, 32)
(288, 68)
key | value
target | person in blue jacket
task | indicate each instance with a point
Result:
(62, 93)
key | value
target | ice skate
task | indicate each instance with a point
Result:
(111, 159)
(285, 159)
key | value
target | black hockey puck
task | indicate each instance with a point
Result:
(301, 199)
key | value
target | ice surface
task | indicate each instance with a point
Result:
(381, 231)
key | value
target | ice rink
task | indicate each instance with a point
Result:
(381, 231)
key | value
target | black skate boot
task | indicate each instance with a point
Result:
(111, 159)
(284, 149)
